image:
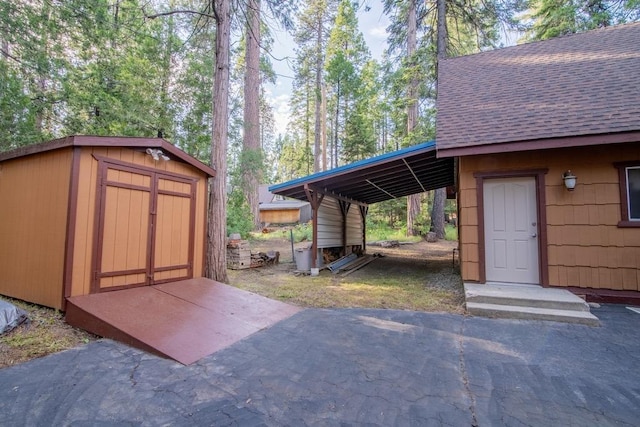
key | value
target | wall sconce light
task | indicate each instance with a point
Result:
(157, 154)
(569, 180)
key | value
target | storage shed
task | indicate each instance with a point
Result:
(278, 210)
(84, 215)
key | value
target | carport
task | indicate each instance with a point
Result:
(332, 193)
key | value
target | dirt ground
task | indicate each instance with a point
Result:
(44, 333)
(418, 276)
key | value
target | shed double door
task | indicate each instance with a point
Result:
(145, 227)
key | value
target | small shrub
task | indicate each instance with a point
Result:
(238, 215)
(302, 233)
(450, 232)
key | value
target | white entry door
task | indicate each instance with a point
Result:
(511, 230)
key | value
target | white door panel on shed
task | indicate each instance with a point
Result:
(329, 224)
(354, 226)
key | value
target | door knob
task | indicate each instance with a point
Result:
(534, 235)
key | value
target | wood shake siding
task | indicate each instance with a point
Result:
(585, 246)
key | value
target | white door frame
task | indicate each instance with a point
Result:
(539, 176)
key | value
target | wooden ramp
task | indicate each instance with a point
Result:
(184, 320)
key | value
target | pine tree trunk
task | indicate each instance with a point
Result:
(318, 126)
(440, 196)
(413, 212)
(437, 212)
(216, 267)
(323, 116)
(413, 201)
(252, 157)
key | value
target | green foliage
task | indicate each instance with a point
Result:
(302, 233)
(450, 232)
(546, 19)
(238, 214)
(352, 89)
(381, 231)
(17, 119)
(392, 212)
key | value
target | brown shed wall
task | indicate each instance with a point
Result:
(586, 248)
(34, 202)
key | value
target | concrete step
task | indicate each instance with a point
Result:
(532, 313)
(524, 296)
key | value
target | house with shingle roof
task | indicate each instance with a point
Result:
(547, 141)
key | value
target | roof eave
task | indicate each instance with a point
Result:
(540, 144)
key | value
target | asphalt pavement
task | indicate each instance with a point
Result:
(350, 367)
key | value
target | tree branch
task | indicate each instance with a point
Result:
(8, 55)
(174, 12)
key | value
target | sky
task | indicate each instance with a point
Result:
(373, 24)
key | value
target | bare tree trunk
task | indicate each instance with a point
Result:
(307, 132)
(216, 267)
(413, 201)
(336, 127)
(323, 115)
(318, 107)
(412, 108)
(252, 155)
(440, 196)
(437, 212)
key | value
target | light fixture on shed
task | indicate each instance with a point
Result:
(569, 180)
(157, 154)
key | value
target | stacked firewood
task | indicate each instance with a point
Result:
(261, 259)
(238, 254)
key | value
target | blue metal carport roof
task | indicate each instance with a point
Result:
(412, 170)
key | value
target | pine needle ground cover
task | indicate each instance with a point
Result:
(416, 276)
(44, 333)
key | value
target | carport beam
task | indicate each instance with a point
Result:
(414, 175)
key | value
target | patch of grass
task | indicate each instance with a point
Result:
(450, 232)
(301, 233)
(381, 231)
(403, 281)
(46, 332)
(328, 291)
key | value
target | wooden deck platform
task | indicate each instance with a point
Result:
(184, 320)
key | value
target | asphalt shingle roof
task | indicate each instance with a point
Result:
(582, 84)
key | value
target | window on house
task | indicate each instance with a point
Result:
(629, 194)
(633, 192)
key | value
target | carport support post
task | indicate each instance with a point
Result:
(344, 209)
(363, 215)
(315, 201)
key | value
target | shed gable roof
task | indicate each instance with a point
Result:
(108, 141)
(579, 85)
